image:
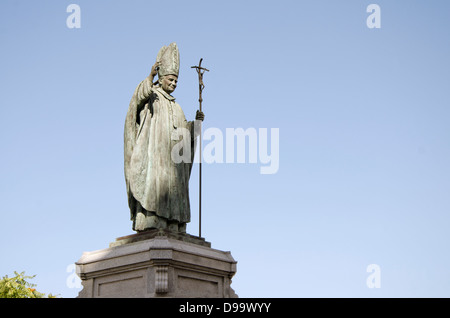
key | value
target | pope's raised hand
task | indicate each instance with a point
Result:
(154, 70)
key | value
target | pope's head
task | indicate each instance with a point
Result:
(169, 65)
(168, 83)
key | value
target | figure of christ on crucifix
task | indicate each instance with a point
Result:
(157, 187)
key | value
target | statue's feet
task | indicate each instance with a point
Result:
(148, 221)
(177, 227)
(155, 222)
(173, 227)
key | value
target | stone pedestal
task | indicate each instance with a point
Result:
(157, 264)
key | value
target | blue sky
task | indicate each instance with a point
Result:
(363, 118)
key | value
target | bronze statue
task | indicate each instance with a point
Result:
(157, 187)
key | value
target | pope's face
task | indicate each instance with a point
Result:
(169, 83)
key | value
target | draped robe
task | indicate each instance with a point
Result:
(154, 181)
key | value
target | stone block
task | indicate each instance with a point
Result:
(157, 264)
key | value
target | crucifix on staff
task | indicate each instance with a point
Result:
(200, 70)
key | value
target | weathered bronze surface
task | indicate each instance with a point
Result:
(157, 187)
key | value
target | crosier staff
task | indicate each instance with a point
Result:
(200, 70)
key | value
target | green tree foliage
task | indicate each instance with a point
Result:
(19, 287)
